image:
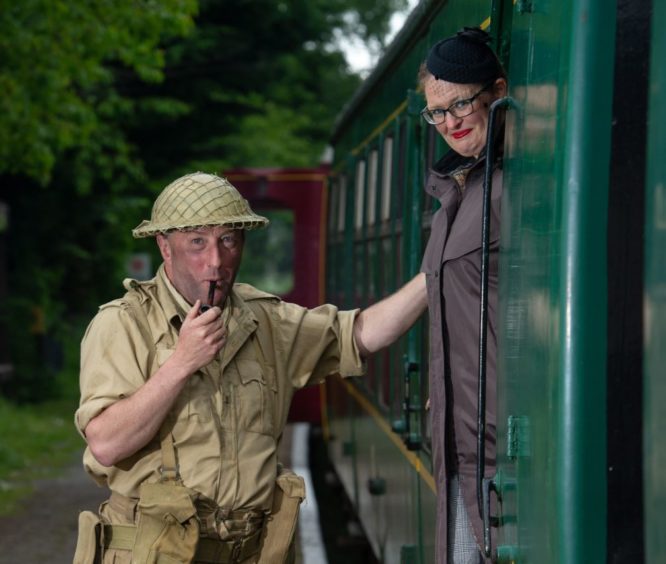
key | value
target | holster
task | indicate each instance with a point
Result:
(89, 540)
(277, 545)
(168, 527)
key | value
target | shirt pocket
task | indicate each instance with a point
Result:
(194, 400)
(255, 396)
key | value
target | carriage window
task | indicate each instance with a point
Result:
(372, 186)
(387, 164)
(360, 188)
(401, 172)
(276, 275)
(342, 202)
(660, 207)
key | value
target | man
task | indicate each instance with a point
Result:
(182, 406)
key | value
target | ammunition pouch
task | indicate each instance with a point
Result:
(280, 527)
(89, 539)
(167, 528)
(172, 524)
(225, 536)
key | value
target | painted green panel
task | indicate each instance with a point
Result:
(552, 284)
(655, 302)
(581, 462)
(529, 279)
(394, 518)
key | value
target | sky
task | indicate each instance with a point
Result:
(358, 56)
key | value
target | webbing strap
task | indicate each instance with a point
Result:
(169, 468)
(121, 537)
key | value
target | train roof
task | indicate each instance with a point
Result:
(415, 25)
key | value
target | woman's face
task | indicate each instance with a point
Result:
(466, 135)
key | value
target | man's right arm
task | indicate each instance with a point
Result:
(381, 324)
(130, 423)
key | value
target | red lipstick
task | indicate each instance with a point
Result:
(460, 134)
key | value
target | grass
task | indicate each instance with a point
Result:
(35, 441)
(38, 440)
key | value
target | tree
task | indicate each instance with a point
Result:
(60, 61)
(263, 81)
(105, 102)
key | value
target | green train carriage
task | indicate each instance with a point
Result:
(572, 470)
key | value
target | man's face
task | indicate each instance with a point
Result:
(192, 259)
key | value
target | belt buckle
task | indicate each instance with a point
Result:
(169, 473)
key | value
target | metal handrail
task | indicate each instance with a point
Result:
(484, 504)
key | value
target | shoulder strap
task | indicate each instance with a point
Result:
(169, 468)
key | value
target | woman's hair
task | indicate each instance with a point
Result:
(423, 75)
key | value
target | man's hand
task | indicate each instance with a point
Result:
(201, 338)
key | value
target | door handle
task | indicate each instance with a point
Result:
(484, 486)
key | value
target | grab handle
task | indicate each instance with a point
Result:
(484, 504)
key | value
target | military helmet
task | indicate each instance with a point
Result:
(198, 200)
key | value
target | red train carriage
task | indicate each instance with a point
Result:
(287, 259)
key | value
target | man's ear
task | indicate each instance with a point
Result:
(164, 246)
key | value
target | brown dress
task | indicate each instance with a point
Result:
(452, 264)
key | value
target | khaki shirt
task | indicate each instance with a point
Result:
(230, 415)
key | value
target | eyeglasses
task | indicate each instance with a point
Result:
(459, 109)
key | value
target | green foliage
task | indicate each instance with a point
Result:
(253, 145)
(264, 81)
(268, 254)
(104, 103)
(40, 437)
(60, 59)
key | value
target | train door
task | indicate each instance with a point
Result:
(654, 455)
(287, 259)
(571, 285)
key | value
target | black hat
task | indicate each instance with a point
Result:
(464, 58)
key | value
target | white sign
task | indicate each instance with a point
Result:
(139, 266)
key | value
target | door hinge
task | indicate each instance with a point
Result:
(518, 436)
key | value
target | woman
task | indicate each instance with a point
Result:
(460, 78)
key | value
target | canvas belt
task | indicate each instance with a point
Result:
(227, 536)
(121, 537)
(215, 522)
